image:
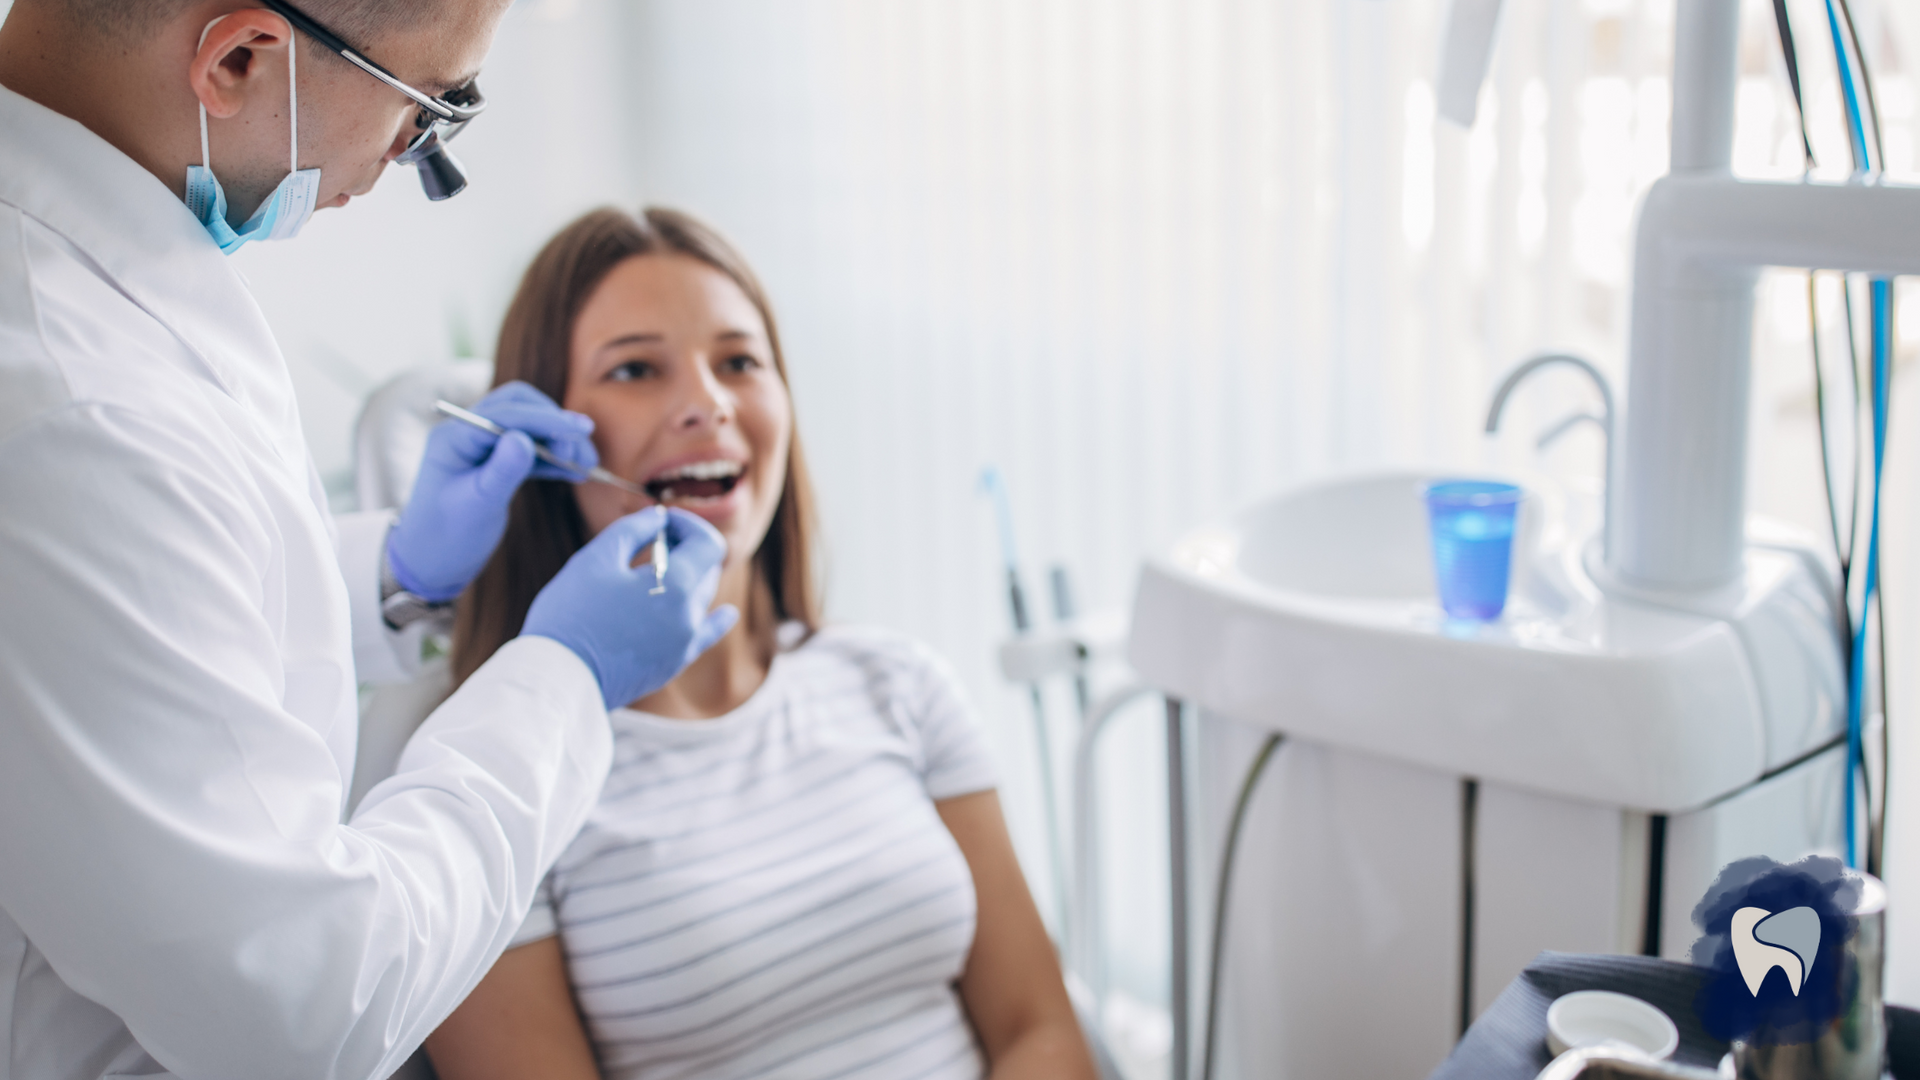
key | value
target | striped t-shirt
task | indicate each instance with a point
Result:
(771, 893)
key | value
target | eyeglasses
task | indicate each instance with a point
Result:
(439, 119)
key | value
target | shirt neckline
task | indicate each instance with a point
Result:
(764, 700)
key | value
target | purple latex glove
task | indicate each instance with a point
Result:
(601, 606)
(458, 510)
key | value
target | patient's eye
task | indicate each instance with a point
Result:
(633, 370)
(741, 363)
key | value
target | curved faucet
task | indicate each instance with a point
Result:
(1605, 419)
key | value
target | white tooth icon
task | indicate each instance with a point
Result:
(1763, 940)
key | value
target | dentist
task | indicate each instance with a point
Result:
(182, 625)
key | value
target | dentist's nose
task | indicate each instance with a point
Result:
(402, 137)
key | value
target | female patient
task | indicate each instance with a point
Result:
(799, 866)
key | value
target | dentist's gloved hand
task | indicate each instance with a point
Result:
(458, 510)
(599, 604)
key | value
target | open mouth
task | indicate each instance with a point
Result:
(695, 481)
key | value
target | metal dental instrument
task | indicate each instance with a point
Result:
(659, 565)
(448, 408)
(598, 474)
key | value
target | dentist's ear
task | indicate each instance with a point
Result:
(223, 71)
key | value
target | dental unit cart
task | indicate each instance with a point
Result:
(1664, 694)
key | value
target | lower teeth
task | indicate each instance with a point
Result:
(708, 490)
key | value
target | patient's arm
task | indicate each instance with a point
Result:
(520, 1022)
(1011, 986)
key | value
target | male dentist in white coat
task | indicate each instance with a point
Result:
(182, 625)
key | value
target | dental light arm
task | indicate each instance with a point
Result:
(1465, 54)
(1677, 515)
(1692, 223)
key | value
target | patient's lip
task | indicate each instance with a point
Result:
(715, 454)
(717, 509)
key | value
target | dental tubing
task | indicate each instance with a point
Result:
(1880, 291)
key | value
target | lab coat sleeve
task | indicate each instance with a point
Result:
(170, 834)
(380, 653)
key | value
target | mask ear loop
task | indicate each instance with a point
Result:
(293, 103)
(206, 159)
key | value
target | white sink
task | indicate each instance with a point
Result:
(1314, 613)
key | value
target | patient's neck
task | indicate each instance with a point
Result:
(725, 676)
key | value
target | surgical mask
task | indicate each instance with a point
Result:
(283, 212)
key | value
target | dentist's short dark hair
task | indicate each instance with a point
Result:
(358, 21)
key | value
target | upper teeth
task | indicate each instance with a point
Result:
(702, 470)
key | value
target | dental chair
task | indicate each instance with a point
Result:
(391, 433)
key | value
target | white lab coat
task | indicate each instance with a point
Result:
(178, 891)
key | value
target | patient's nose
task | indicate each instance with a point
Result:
(707, 402)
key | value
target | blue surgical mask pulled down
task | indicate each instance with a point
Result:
(284, 211)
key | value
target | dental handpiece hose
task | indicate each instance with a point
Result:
(996, 489)
(596, 473)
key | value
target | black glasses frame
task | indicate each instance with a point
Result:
(439, 119)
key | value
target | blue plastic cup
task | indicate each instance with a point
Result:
(1472, 523)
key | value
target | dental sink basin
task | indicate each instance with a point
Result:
(1314, 613)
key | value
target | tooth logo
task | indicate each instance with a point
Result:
(1760, 914)
(1764, 940)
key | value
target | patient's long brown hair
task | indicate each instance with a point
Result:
(545, 526)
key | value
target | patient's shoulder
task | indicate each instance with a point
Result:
(879, 652)
(865, 639)
(917, 693)
(897, 671)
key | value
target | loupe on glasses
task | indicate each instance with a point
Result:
(439, 120)
(441, 174)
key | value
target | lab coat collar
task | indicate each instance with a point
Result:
(142, 237)
(134, 230)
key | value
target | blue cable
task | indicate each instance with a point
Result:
(996, 489)
(1856, 126)
(1881, 291)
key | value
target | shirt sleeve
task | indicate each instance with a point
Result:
(541, 922)
(171, 832)
(955, 758)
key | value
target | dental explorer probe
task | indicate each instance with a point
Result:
(449, 409)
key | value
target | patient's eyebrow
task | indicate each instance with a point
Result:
(634, 339)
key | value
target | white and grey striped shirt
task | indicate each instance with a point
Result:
(771, 893)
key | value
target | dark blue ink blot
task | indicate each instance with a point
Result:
(1775, 1015)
